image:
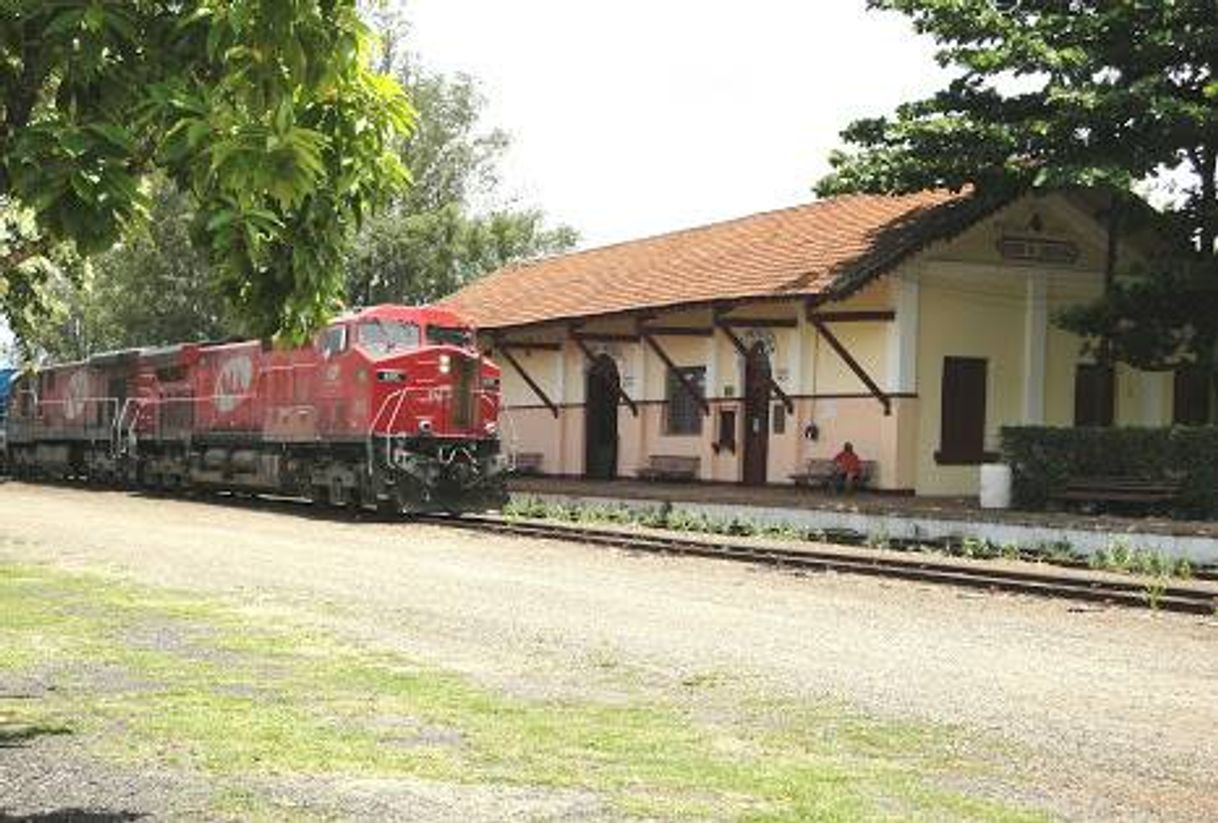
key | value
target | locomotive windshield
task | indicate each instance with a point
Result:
(449, 336)
(383, 336)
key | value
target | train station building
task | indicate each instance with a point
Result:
(915, 327)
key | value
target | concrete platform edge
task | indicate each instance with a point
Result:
(1200, 550)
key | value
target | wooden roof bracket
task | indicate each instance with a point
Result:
(686, 384)
(849, 360)
(621, 393)
(506, 351)
(862, 316)
(528, 345)
(775, 389)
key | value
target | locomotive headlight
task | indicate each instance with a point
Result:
(490, 384)
(446, 364)
(390, 376)
(491, 427)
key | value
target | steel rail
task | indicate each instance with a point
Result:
(1145, 594)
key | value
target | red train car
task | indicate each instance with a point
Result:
(391, 406)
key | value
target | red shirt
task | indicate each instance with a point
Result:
(848, 463)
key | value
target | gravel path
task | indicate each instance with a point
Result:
(1111, 714)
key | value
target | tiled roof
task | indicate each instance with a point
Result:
(829, 246)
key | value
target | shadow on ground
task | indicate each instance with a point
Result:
(71, 816)
(19, 736)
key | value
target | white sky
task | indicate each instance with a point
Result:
(630, 118)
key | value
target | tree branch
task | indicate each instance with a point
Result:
(25, 253)
(1208, 207)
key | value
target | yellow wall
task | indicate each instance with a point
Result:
(974, 304)
(967, 315)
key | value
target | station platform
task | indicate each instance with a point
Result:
(875, 514)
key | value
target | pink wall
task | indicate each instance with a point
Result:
(889, 440)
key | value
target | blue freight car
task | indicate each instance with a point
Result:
(6, 380)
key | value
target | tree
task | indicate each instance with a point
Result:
(405, 257)
(1114, 93)
(265, 114)
(153, 288)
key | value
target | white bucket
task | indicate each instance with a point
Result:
(995, 486)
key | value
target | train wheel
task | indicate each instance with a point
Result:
(387, 505)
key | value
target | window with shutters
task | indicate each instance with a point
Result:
(1191, 401)
(962, 429)
(1094, 395)
(684, 413)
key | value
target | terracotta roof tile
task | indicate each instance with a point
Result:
(830, 245)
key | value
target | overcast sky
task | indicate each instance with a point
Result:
(631, 118)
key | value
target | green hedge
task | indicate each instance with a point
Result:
(1043, 458)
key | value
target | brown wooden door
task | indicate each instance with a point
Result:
(1191, 406)
(756, 415)
(1094, 395)
(962, 433)
(600, 419)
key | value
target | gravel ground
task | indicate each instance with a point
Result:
(1107, 713)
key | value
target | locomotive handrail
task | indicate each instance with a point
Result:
(397, 397)
(399, 394)
(120, 445)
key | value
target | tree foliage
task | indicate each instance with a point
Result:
(265, 114)
(1050, 94)
(421, 256)
(153, 288)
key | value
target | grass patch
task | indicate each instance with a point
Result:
(209, 688)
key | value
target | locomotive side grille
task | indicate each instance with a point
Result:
(465, 380)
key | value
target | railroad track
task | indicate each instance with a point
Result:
(1144, 593)
(1134, 593)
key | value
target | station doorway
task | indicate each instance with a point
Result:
(600, 419)
(756, 415)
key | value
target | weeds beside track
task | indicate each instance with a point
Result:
(1156, 593)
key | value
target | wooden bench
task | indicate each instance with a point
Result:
(669, 467)
(528, 462)
(818, 474)
(1136, 490)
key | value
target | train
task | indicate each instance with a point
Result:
(389, 407)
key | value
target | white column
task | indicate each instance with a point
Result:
(1156, 388)
(713, 389)
(560, 373)
(1035, 330)
(643, 358)
(638, 370)
(795, 353)
(560, 397)
(903, 335)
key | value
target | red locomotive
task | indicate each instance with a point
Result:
(391, 406)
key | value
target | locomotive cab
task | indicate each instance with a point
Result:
(432, 400)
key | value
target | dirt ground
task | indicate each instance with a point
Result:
(1108, 713)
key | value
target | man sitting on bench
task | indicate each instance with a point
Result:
(847, 469)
